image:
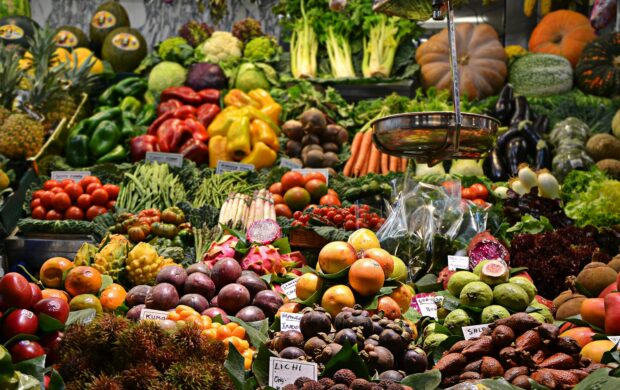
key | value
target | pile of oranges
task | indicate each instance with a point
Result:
(227, 333)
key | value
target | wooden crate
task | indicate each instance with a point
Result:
(305, 238)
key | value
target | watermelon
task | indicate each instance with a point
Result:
(541, 75)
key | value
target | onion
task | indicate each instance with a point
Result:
(527, 177)
(501, 192)
(548, 185)
(517, 186)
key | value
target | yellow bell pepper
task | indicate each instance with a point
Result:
(255, 113)
(261, 132)
(238, 138)
(238, 98)
(217, 150)
(268, 106)
(222, 121)
(262, 156)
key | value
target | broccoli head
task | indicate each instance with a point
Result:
(262, 49)
(247, 29)
(175, 49)
(195, 32)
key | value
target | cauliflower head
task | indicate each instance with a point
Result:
(262, 49)
(222, 46)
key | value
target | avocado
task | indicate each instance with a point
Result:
(124, 48)
(71, 37)
(16, 30)
(108, 16)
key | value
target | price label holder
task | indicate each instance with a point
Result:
(458, 262)
(428, 307)
(288, 163)
(76, 176)
(474, 331)
(290, 288)
(284, 372)
(172, 159)
(290, 321)
(614, 339)
(231, 166)
(153, 315)
(323, 171)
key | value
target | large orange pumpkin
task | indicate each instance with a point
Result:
(481, 61)
(563, 33)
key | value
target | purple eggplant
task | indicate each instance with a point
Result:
(522, 111)
(543, 155)
(541, 126)
(505, 104)
(494, 167)
(516, 153)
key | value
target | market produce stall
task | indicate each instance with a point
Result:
(357, 203)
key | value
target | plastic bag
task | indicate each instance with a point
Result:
(569, 128)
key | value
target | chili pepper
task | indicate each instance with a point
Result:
(184, 94)
(101, 109)
(147, 115)
(223, 121)
(238, 145)
(116, 155)
(238, 98)
(173, 215)
(206, 113)
(198, 130)
(268, 106)
(195, 150)
(172, 134)
(217, 150)
(141, 144)
(105, 137)
(262, 156)
(131, 104)
(261, 132)
(184, 112)
(161, 119)
(166, 230)
(210, 95)
(169, 105)
(76, 151)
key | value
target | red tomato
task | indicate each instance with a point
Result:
(46, 199)
(92, 187)
(314, 175)
(449, 186)
(49, 184)
(112, 190)
(88, 180)
(283, 210)
(74, 191)
(37, 194)
(35, 203)
(110, 204)
(66, 182)
(479, 202)
(329, 200)
(468, 193)
(53, 215)
(94, 211)
(277, 198)
(481, 190)
(61, 201)
(332, 192)
(39, 212)
(57, 190)
(100, 196)
(276, 188)
(74, 212)
(84, 201)
(292, 179)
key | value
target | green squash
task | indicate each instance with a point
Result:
(124, 48)
(541, 75)
(71, 37)
(598, 69)
(108, 16)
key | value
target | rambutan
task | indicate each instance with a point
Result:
(143, 376)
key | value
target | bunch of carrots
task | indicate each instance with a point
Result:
(366, 158)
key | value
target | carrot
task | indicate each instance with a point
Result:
(355, 149)
(403, 164)
(385, 160)
(394, 162)
(366, 162)
(364, 151)
(375, 158)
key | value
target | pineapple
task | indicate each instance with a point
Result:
(21, 136)
(10, 77)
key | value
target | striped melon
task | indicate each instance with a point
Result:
(15, 7)
(541, 75)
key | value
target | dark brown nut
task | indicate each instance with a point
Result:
(451, 363)
(473, 366)
(481, 347)
(469, 376)
(491, 367)
(514, 372)
(522, 381)
(502, 336)
(519, 322)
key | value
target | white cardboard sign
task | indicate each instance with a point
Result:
(284, 372)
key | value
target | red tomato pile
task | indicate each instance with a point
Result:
(296, 192)
(69, 200)
(477, 193)
(348, 218)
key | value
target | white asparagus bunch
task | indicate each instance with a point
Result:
(262, 207)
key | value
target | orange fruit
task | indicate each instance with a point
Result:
(112, 297)
(291, 179)
(336, 256)
(52, 270)
(596, 349)
(382, 257)
(366, 277)
(582, 334)
(389, 307)
(307, 284)
(83, 280)
(54, 293)
(336, 298)
(402, 296)
(593, 311)
(116, 286)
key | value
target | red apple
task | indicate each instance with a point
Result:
(50, 343)
(15, 291)
(53, 307)
(26, 349)
(19, 321)
(36, 294)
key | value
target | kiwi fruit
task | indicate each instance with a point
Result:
(596, 276)
(570, 307)
(615, 263)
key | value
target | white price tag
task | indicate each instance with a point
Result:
(288, 163)
(458, 262)
(290, 288)
(614, 339)
(153, 315)
(76, 176)
(284, 372)
(172, 159)
(290, 321)
(473, 331)
(428, 307)
(231, 166)
(305, 171)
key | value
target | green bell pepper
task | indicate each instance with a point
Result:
(88, 127)
(131, 104)
(77, 150)
(104, 138)
(131, 86)
(147, 115)
(116, 155)
(127, 129)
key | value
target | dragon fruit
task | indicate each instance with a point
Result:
(488, 250)
(265, 259)
(444, 277)
(264, 232)
(224, 247)
(296, 258)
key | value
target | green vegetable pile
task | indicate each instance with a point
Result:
(215, 188)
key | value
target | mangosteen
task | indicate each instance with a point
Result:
(413, 361)
(290, 338)
(376, 328)
(378, 358)
(314, 322)
(328, 352)
(360, 319)
(314, 346)
(292, 353)
(348, 335)
(393, 341)
(372, 340)
(391, 375)
(339, 320)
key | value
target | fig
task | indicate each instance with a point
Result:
(226, 271)
(391, 375)
(134, 313)
(25, 350)
(292, 353)
(290, 338)
(314, 346)
(173, 274)
(162, 296)
(137, 295)
(216, 311)
(19, 321)
(233, 298)
(314, 322)
(250, 314)
(413, 361)
(269, 301)
(253, 283)
(195, 301)
(198, 267)
(200, 283)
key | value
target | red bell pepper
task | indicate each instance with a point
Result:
(206, 113)
(141, 144)
(199, 132)
(169, 105)
(183, 94)
(210, 95)
(612, 314)
(172, 134)
(195, 150)
(184, 112)
(157, 122)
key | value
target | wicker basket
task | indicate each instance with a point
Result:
(305, 238)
